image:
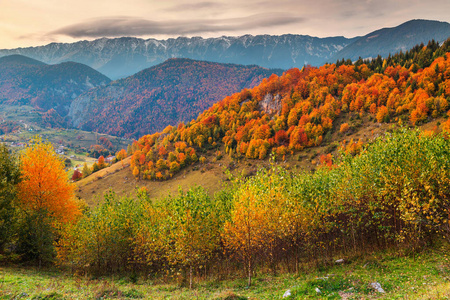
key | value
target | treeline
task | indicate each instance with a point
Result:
(395, 193)
(418, 57)
(299, 109)
(100, 164)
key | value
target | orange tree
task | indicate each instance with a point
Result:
(46, 198)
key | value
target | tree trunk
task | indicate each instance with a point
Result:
(190, 276)
(249, 272)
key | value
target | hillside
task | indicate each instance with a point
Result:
(213, 175)
(172, 92)
(357, 119)
(393, 40)
(302, 109)
(25, 81)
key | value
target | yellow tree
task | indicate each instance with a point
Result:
(244, 234)
(258, 219)
(122, 154)
(46, 197)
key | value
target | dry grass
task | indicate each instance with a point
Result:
(119, 178)
(211, 176)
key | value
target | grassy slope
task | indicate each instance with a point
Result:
(425, 276)
(119, 179)
(211, 175)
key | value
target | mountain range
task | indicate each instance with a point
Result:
(75, 95)
(121, 57)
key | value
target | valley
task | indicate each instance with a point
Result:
(24, 123)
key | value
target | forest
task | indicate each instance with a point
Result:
(390, 193)
(48, 88)
(394, 194)
(176, 90)
(299, 109)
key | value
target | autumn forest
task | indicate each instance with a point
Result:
(389, 192)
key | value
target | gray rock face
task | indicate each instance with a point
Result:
(88, 103)
(271, 105)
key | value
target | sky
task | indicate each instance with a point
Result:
(26, 23)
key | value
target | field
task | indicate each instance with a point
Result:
(425, 275)
(119, 179)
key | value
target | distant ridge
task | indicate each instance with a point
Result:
(122, 57)
(24, 80)
(20, 59)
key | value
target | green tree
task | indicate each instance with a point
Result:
(192, 230)
(102, 240)
(9, 177)
(86, 171)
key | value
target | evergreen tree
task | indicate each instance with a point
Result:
(9, 177)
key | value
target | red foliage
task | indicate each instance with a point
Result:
(77, 175)
(281, 138)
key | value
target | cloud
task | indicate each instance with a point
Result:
(130, 26)
(195, 6)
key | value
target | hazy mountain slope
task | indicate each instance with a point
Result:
(177, 90)
(121, 57)
(392, 40)
(16, 59)
(27, 81)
